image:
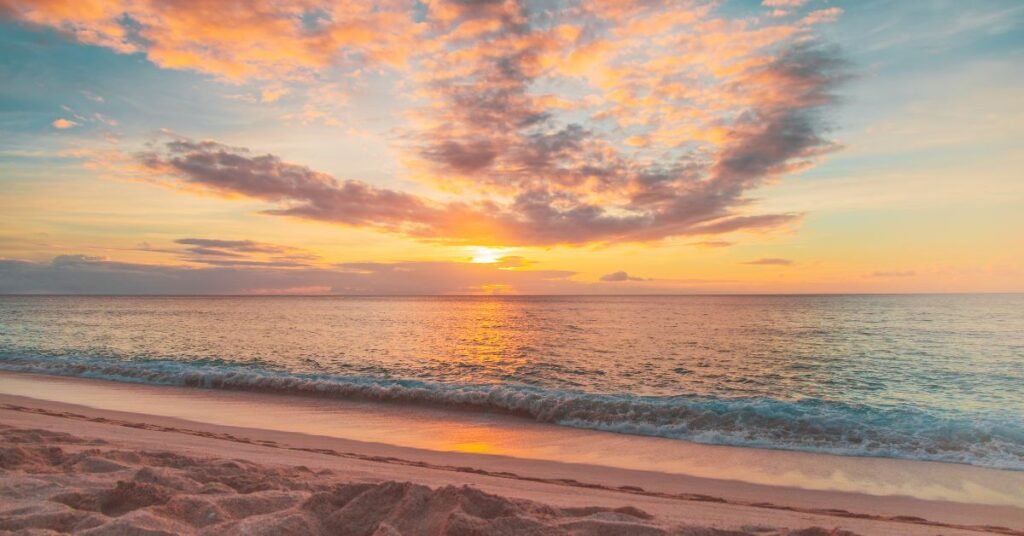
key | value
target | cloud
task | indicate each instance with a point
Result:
(243, 262)
(234, 41)
(783, 3)
(84, 274)
(299, 191)
(272, 94)
(489, 129)
(62, 123)
(712, 244)
(81, 274)
(92, 96)
(654, 203)
(577, 123)
(621, 276)
(615, 276)
(513, 261)
(907, 273)
(247, 246)
(74, 260)
(105, 120)
(822, 16)
(770, 261)
(218, 252)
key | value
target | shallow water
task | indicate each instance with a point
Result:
(514, 443)
(926, 377)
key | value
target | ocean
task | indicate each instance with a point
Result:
(928, 377)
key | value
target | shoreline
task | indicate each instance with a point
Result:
(744, 423)
(683, 509)
(541, 480)
(431, 431)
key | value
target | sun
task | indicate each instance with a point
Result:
(487, 255)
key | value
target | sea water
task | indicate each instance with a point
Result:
(932, 377)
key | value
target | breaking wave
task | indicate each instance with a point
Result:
(813, 425)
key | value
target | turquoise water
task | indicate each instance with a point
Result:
(924, 377)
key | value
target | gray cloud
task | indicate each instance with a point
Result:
(241, 253)
(213, 252)
(81, 274)
(464, 157)
(303, 192)
(243, 262)
(246, 246)
(621, 276)
(218, 252)
(75, 260)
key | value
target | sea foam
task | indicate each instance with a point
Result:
(808, 424)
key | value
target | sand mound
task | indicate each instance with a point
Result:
(77, 488)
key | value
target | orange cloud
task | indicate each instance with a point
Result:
(272, 94)
(233, 40)
(713, 107)
(596, 122)
(62, 123)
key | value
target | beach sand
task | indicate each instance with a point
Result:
(72, 468)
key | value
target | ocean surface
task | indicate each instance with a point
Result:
(937, 377)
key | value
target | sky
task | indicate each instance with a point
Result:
(511, 147)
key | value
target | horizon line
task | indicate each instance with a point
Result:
(524, 295)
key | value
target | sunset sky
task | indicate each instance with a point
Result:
(465, 147)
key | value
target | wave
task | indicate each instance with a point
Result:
(813, 425)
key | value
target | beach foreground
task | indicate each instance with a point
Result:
(69, 468)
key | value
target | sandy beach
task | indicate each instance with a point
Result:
(73, 468)
(511, 267)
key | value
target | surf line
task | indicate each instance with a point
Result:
(633, 490)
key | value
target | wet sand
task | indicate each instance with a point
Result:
(561, 496)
